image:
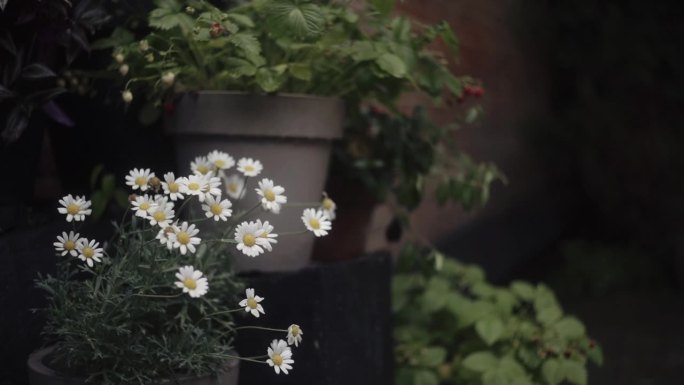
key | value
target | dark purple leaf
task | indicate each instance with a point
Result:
(52, 110)
(41, 97)
(3, 3)
(16, 124)
(7, 42)
(79, 36)
(37, 71)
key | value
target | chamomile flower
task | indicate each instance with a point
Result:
(220, 160)
(89, 251)
(280, 356)
(166, 235)
(212, 186)
(143, 205)
(267, 234)
(172, 186)
(76, 208)
(162, 213)
(316, 221)
(139, 178)
(192, 282)
(248, 237)
(294, 335)
(67, 244)
(235, 186)
(249, 166)
(328, 207)
(251, 303)
(219, 209)
(185, 239)
(271, 196)
(195, 185)
(201, 165)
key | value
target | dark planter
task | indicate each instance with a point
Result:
(41, 374)
(290, 134)
(344, 311)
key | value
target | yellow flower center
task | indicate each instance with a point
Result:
(69, 245)
(183, 238)
(328, 204)
(140, 181)
(190, 283)
(202, 169)
(219, 163)
(314, 223)
(249, 168)
(277, 360)
(173, 187)
(232, 187)
(252, 303)
(269, 195)
(249, 240)
(294, 330)
(73, 208)
(144, 206)
(216, 209)
(264, 235)
(159, 216)
(193, 186)
(88, 252)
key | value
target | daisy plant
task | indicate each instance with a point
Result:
(157, 299)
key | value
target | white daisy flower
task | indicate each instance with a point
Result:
(89, 251)
(143, 205)
(328, 206)
(162, 213)
(267, 234)
(251, 303)
(271, 196)
(280, 356)
(67, 244)
(249, 166)
(139, 178)
(172, 186)
(195, 185)
(212, 186)
(201, 165)
(220, 160)
(76, 208)
(248, 237)
(166, 235)
(235, 186)
(192, 282)
(219, 209)
(294, 335)
(185, 238)
(317, 222)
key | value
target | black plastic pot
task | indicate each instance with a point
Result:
(290, 134)
(41, 374)
(344, 311)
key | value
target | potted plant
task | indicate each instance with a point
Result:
(38, 41)
(451, 326)
(155, 303)
(279, 70)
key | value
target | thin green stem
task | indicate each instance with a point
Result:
(158, 295)
(288, 233)
(302, 204)
(261, 328)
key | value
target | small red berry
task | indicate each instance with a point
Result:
(468, 90)
(216, 29)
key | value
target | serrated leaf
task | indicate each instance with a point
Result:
(569, 327)
(363, 51)
(480, 361)
(494, 377)
(300, 20)
(247, 42)
(169, 18)
(511, 368)
(490, 329)
(391, 64)
(425, 377)
(552, 372)
(523, 290)
(549, 315)
(268, 80)
(301, 71)
(432, 356)
(241, 19)
(575, 372)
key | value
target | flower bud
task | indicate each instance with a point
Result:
(127, 96)
(155, 183)
(119, 57)
(168, 78)
(144, 45)
(123, 70)
(149, 57)
(132, 197)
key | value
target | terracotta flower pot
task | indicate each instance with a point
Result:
(290, 134)
(41, 374)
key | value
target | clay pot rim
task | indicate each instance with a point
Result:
(36, 364)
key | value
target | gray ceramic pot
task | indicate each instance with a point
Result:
(41, 374)
(290, 134)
